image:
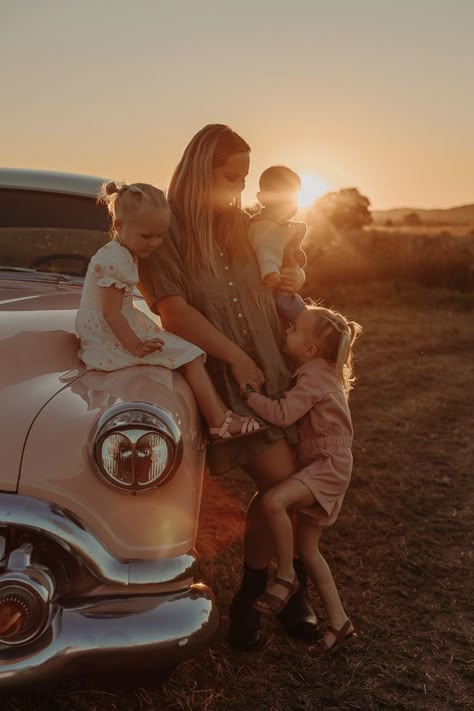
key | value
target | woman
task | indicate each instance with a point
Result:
(206, 286)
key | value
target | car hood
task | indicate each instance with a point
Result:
(38, 348)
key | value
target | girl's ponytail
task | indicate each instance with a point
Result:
(343, 352)
(122, 200)
(335, 336)
(351, 334)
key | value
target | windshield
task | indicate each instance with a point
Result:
(50, 232)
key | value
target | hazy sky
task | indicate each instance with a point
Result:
(377, 94)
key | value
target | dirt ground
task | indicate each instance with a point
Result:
(401, 550)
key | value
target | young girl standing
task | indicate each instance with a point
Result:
(114, 333)
(320, 342)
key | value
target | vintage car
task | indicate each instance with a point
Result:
(101, 473)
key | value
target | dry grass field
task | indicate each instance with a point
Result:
(427, 230)
(436, 259)
(401, 550)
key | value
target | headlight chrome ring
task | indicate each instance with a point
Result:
(136, 446)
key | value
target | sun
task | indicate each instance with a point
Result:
(312, 187)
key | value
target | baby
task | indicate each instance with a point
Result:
(275, 238)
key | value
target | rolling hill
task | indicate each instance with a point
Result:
(462, 215)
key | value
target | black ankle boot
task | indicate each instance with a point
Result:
(244, 630)
(298, 617)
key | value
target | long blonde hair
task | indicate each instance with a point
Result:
(335, 336)
(190, 196)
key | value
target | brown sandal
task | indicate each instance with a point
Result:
(342, 638)
(271, 604)
(248, 426)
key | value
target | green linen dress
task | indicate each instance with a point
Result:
(238, 304)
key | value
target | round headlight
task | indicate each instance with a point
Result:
(136, 446)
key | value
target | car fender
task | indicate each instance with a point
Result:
(57, 465)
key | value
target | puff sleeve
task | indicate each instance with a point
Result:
(113, 265)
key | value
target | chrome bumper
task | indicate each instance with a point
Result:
(134, 632)
(63, 527)
(128, 624)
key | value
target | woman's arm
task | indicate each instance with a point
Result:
(183, 319)
(112, 300)
(294, 255)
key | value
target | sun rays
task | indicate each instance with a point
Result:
(312, 187)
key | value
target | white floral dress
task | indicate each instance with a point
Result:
(113, 265)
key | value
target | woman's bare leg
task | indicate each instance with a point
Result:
(273, 465)
(307, 542)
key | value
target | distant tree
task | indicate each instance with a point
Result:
(412, 219)
(389, 223)
(346, 209)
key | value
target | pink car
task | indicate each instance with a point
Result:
(101, 474)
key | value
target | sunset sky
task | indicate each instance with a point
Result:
(376, 94)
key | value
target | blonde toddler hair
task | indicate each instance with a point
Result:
(335, 336)
(123, 200)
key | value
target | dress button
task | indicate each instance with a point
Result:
(230, 283)
(221, 254)
(240, 315)
(244, 331)
(226, 268)
(235, 298)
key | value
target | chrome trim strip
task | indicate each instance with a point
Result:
(120, 633)
(70, 533)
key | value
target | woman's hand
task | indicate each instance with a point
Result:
(292, 279)
(146, 347)
(246, 372)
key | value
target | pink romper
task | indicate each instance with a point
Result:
(318, 402)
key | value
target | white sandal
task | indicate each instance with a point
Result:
(248, 426)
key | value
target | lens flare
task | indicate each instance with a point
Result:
(312, 187)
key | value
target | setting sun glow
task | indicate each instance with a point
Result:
(312, 187)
